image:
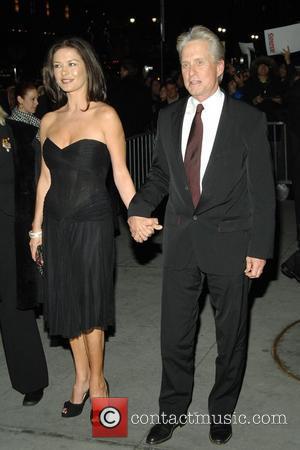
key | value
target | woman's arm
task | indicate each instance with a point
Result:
(42, 189)
(115, 141)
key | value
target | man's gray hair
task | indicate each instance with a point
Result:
(201, 33)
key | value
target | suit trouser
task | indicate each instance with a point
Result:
(180, 311)
(20, 335)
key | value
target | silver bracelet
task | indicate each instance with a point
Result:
(35, 234)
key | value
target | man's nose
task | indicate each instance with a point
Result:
(193, 69)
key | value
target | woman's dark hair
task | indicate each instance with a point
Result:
(96, 86)
(21, 89)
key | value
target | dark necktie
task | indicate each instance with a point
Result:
(192, 157)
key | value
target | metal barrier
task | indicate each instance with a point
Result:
(139, 157)
(278, 142)
(140, 150)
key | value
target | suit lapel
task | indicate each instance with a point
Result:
(177, 123)
(212, 180)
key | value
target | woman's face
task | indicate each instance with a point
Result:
(29, 101)
(69, 70)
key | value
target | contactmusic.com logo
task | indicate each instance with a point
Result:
(110, 417)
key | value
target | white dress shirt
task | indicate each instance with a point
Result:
(210, 117)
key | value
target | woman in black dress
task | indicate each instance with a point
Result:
(73, 217)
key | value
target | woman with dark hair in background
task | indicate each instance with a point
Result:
(20, 335)
(73, 217)
(25, 126)
(26, 101)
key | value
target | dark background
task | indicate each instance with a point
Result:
(29, 27)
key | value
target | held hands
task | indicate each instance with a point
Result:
(254, 267)
(141, 228)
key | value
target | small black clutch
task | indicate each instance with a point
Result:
(39, 259)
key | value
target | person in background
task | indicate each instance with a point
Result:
(233, 90)
(25, 126)
(182, 91)
(172, 94)
(219, 228)
(291, 266)
(18, 289)
(155, 97)
(132, 100)
(286, 72)
(26, 101)
(163, 93)
(263, 89)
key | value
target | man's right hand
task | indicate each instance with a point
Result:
(141, 228)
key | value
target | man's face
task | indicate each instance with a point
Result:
(199, 69)
(172, 90)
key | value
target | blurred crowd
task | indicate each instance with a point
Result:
(270, 85)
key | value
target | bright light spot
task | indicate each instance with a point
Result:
(148, 68)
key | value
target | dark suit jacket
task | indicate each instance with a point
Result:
(17, 199)
(235, 214)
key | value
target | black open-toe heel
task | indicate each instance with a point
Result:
(74, 409)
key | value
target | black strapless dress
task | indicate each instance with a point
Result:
(78, 239)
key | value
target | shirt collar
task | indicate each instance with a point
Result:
(211, 102)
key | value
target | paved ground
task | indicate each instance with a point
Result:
(133, 366)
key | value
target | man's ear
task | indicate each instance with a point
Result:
(220, 67)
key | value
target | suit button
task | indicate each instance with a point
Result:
(186, 187)
(195, 217)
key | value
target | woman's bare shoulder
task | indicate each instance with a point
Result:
(48, 119)
(104, 110)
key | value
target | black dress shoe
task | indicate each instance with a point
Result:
(289, 272)
(220, 434)
(291, 267)
(160, 433)
(32, 398)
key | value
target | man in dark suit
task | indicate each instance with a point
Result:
(223, 233)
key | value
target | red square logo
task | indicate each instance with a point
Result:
(110, 417)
